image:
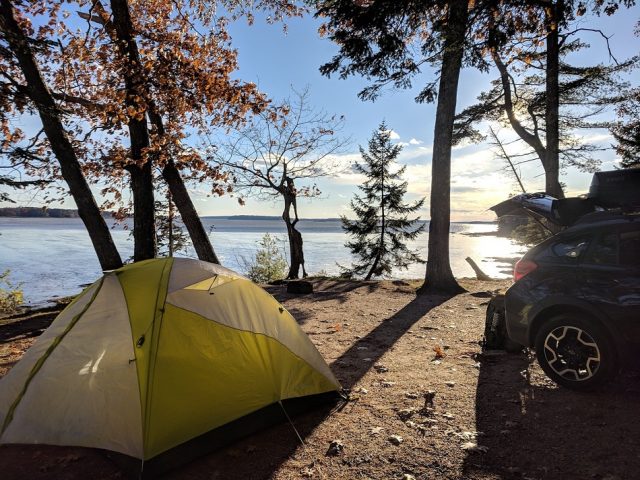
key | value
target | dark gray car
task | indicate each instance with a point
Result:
(576, 300)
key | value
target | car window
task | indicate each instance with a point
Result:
(605, 250)
(630, 248)
(572, 248)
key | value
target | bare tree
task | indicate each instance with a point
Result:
(280, 149)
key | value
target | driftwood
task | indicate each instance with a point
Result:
(480, 275)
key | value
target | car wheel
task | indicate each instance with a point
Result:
(575, 352)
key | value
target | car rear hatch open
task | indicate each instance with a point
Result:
(618, 189)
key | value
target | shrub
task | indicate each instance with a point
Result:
(269, 264)
(532, 233)
(10, 294)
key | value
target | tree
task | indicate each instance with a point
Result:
(268, 265)
(382, 226)
(156, 72)
(519, 98)
(170, 235)
(280, 147)
(17, 184)
(627, 130)
(175, 63)
(25, 89)
(390, 42)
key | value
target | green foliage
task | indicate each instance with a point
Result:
(531, 233)
(170, 233)
(269, 264)
(382, 226)
(627, 130)
(586, 92)
(10, 294)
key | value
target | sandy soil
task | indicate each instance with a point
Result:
(494, 416)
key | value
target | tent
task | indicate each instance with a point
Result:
(159, 353)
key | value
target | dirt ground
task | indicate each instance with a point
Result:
(494, 416)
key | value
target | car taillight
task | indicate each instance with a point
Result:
(523, 268)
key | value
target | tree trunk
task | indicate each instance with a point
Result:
(170, 220)
(296, 253)
(40, 95)
(439, 277)
(551, 162)
(144, 228)
(190, 217)
(188, 212)
(382, 228)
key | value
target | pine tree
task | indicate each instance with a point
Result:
(382, 226)
(627, 130)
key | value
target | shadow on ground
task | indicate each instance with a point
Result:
(325, 290)
(27, 325)
(259, 455)
(536, 430)
(271, 448)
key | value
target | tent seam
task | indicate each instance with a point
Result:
(160, 308)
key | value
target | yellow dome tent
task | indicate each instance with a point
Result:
(155, 354)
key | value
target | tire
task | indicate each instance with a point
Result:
(575, 352)
(495, 328)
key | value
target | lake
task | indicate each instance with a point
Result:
(53, 257)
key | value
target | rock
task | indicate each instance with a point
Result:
(395, 439)
(376, 430)
(406, 413)
(299, 287)
(408, 476)
(411, 395)
(448, 416)
(362, 390)
(386, 384)
(380, 368)
(473, 447)
(450, 383)
(335, 448)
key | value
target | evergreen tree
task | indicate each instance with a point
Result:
(627, 130)
(170, 234)
(382, 226)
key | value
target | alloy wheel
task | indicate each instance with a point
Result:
(572, 353)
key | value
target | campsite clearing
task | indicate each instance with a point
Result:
(491, 416)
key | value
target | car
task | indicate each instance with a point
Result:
(576, 299)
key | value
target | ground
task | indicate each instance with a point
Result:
(494, 416)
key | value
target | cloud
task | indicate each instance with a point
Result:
(393, 135)
(414, 141)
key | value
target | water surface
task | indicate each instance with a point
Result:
(54, 257)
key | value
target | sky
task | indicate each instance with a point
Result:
(277, 62)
